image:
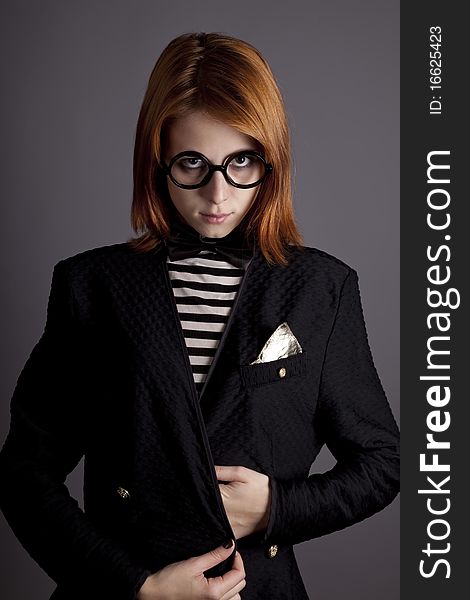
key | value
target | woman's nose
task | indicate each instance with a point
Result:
(217, 189)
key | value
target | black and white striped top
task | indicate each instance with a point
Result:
(205, 287)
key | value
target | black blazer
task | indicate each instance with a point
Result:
(110, 379)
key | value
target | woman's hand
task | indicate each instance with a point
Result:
(184, 580)
(246, 497)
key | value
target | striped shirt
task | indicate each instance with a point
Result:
(205, 287)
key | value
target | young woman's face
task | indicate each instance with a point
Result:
(216, 141)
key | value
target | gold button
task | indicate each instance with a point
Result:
(123, 493)
(282, 372)
(272, 551)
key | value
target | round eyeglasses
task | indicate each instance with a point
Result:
(190, 170)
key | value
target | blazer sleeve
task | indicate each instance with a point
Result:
(42, 447)
(356, 422)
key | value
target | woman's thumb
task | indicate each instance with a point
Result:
(214, 557)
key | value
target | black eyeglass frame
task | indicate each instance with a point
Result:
(268, 168)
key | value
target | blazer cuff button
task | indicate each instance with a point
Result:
(282, 372)
(272, 551)
(122, 492)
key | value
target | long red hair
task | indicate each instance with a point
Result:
(231, 81)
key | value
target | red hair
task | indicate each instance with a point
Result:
(229, 80)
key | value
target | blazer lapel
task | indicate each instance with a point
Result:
(259, 307)
(146, 310)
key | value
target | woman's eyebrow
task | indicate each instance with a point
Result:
(240, 151)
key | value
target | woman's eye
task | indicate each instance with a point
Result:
(241, 161)
(191, 163)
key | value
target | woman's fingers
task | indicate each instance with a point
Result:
(233, 593)
(185, 579)
(205, 561)
(228, 585)
(233, 473)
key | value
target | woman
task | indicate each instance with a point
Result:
(199, 367)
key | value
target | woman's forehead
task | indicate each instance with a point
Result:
(200, 132)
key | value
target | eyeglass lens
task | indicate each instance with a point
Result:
(243, 169)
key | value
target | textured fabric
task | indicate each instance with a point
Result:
(205, 288)
(110, 379)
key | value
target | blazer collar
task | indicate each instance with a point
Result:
(146, 309)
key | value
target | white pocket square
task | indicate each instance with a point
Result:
(281, 344)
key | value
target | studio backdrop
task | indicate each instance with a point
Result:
(74, 75)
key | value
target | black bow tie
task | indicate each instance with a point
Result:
(184, 242)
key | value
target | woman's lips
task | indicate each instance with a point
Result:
(214, 218)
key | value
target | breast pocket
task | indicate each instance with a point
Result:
(281, 370)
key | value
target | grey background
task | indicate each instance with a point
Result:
(74, 76)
